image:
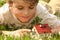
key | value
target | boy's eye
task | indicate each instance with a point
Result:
(31, 7)
(20, 8)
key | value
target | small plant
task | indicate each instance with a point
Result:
(2, 2)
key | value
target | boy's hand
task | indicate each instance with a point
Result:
(56, 30)
(19, 32)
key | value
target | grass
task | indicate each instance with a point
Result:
(4, 37)
(27, 37)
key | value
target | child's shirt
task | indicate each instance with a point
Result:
(42, 16)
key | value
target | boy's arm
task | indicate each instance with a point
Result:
(18, 33)
(52, 21)
(1, 19)
(48, 18)
(3, 9)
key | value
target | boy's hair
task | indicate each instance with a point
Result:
(31, 1)
(27, 1)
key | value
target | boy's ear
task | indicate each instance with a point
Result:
(10, 2)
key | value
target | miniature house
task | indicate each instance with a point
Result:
(41, 28)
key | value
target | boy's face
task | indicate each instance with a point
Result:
(23, 11)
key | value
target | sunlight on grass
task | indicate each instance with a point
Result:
(27, 37)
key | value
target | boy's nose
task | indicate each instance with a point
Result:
(26, 12)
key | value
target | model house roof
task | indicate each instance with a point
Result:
(43, 28)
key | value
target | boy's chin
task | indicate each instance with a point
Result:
(24, 21)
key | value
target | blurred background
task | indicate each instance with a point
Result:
(53, 6)
(2, 2)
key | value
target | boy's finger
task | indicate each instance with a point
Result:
(24, 30)
(27, 30)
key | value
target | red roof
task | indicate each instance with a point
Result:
(43, 28)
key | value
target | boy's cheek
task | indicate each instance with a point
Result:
(15, 11)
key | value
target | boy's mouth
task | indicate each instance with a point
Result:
(25, 16)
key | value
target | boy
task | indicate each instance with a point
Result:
(22, 13)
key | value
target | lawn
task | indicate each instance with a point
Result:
(27, 37)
